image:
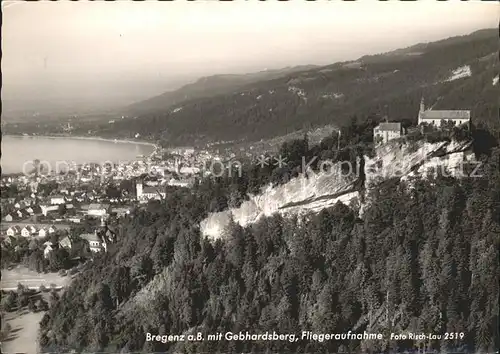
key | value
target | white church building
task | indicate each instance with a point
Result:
(437, 117)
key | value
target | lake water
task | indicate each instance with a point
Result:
(18, 153)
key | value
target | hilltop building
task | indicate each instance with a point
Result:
(437, 117)
(387, 131)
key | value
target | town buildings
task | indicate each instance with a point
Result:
(41, 201)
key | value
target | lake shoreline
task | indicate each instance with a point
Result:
(19, 150)
(96, 138)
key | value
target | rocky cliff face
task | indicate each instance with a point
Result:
(397, 159)
(315, 191)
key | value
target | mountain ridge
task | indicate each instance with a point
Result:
(208, 86)
(332, 94)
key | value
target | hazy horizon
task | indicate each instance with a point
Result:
(105, 54)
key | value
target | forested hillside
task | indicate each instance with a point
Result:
(207, 87)
(456, 73)
(422, 259)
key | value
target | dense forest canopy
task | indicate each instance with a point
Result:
(421, 259)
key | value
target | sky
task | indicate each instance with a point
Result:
(98, 52)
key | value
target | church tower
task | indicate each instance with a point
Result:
(421, 110)
(138, 189)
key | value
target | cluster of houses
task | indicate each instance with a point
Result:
(31, 230)
(97, 241)
(387, 131)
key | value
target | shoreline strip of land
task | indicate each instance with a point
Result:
(96, 138)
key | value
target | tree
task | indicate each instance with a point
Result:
(9, 301)
(113, 192)
(61, 209)
(22, 300)
(54, 298)
(31, 305)
(6, 329)
(59, 259)
(42, 305)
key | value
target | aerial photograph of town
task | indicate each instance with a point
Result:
(250, 177)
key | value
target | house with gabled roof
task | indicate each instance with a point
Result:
(13, 230)
(43, 232)
(28, 230)
(22, 214)
(386, 131)
(49, 247)
(96, 244)
(65, 242)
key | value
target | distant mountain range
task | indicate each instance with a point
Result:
(455, 73)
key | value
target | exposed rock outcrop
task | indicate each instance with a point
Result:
(315, 191)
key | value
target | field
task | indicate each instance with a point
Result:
(25, 324)
(11, 278)
(24, 333)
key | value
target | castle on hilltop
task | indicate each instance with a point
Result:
(437, 117)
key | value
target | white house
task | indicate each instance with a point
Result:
(49, 208)
(98, 210)
(13, 230)
(387, 131)
(9, 217)
(48, 248)
(437, 117)
(58, 199)
(43, 232)
(27, 231)
(95, 243)
(52, 229)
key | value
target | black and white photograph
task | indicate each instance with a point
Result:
(250, 177)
